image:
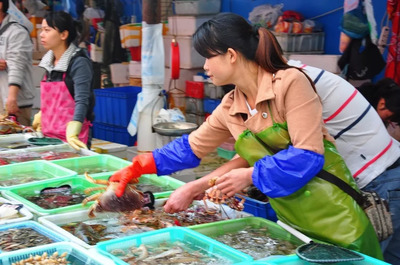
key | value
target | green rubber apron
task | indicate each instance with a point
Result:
(319, 209)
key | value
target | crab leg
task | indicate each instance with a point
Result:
(91, 198)
(96, 181)
(89, 190)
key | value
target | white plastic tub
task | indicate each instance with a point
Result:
(26, 214)
(54, 222)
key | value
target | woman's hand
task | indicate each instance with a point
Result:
(235, 181)
(182, 197)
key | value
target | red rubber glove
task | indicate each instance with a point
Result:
(141, 164)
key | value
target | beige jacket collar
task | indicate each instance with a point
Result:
(265, 92)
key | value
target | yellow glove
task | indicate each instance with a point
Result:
(73, 130)
(37, 122)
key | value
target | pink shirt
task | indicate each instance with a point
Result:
(291, 98)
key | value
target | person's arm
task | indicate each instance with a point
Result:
(11, 103)
(81, 73)
(19, 53)
(182, 197)
(289, 170)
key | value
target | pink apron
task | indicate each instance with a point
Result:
(57, 106)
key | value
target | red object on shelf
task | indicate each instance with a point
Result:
(194, 89)
(136, 53)
(175, 59)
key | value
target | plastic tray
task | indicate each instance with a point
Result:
(75, 254)
(26, 214)
(35, 226)
(108, 163)
(55, 221)
(301, 43)
(54, 148)
(44, 141)
(236, 225)
(77, 184)
(161, 181)
(114, 105)
(172, 234)
(46, 170)
(259, 209)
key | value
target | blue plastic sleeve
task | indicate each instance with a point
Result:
(286, 172)
(174, 156)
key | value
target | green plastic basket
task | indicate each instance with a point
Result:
(165, 182)
(171, 235)
(108, 164)
(219, 228)
(39, 170)
(77, 184)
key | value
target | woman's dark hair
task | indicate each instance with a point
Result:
(229, 30)
(62, 21)
(5, 5)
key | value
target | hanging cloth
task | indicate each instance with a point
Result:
(393, 58)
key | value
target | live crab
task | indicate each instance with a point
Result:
(215, 195)
(108, 201)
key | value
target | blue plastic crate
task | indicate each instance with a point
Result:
(114, 105)
(113, 133)
(37, 227)
(170, 235)
(259, 209)
(75, 255)
(210, 104)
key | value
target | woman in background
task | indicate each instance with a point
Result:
(67, 98)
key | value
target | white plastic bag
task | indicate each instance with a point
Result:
(265, 15)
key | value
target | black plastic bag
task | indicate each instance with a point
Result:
(361, 60)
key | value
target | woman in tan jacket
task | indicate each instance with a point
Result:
(275, 116)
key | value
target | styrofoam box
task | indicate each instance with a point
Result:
(184, 75)
(189, 57)
(135, 69)
(119, 73)
(185, 25)
(197, 7)
(328, 62)
(106, 147)
(26, 214)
